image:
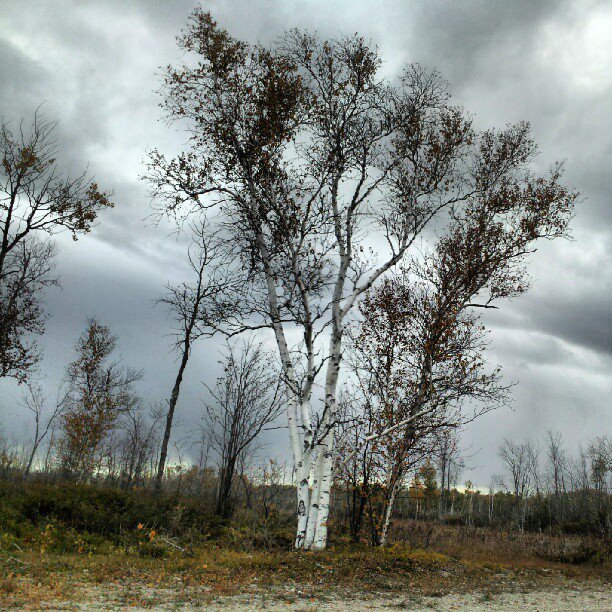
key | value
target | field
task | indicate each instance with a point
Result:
(210, 574)
(60, 552)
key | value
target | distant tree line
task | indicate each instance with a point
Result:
(222, 466)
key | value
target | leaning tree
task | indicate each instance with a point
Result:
(306, 157)
(420, 346)
(196, 307)
(417, 357)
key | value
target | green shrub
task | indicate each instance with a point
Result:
(104, 511)
(87, 518)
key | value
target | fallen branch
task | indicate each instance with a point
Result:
(169, 542)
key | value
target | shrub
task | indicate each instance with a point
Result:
(77, 518)
(575, 551)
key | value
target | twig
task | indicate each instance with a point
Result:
(170, 543)
(11, 558)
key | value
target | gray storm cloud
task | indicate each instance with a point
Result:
(95, 67)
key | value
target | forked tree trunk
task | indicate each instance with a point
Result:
(323, 469)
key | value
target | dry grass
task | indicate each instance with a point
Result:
(82, 543)
(457, 560)
(575, 554)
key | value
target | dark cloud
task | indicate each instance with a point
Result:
(95, 65)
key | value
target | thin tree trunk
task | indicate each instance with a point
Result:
(224, 506)
(359, 496)
(442, 498)
(171, 407)
(388, 512)
(26, 472)
(247, 492)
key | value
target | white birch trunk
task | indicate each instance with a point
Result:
(313, 510)
(326, 478)
(303, 499)
(326, 448)
(388, 513)
(301, 455)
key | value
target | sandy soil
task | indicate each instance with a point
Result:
(572, 597)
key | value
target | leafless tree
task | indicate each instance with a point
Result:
(245, 400)
(35, 403)
(205, 455)
(36, 201)
(271, 484)
(557, 459)
(517, 456)
(521, 460)
(446, 452)
(196, 307)
(139, 439)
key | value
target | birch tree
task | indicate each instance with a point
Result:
(418, 352)
(309, 157)
(421, 344)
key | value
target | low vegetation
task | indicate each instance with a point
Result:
(59, 543)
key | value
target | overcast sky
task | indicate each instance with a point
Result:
(95, 66)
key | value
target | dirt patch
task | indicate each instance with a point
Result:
(570, 596)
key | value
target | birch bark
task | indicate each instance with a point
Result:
(388, 513)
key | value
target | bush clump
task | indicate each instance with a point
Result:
(88, 518)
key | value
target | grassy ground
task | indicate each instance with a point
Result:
(31, 578)
(79, 547)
